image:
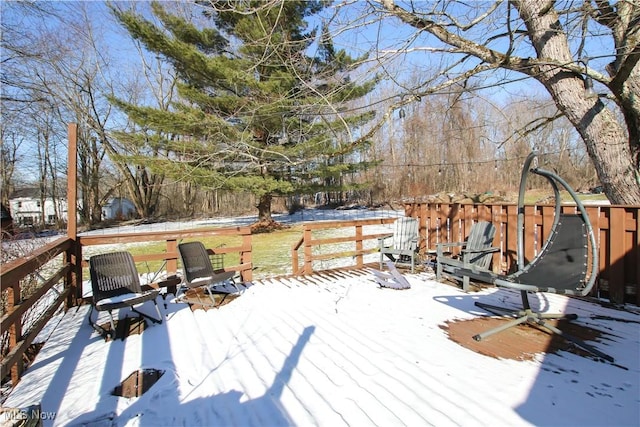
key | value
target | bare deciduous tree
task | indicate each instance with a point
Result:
(548, 42)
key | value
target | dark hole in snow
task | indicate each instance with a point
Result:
(137, 383)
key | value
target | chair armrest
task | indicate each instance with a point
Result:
(469, 256)
(382, 239)
(170, 282)
(478, 251)
(451, 244)
(440, 247)
(385, 237)
(414, 243)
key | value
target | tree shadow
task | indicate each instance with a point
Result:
(163, 404)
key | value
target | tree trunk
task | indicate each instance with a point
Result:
(8, 159)
(264, 209)
(606, 141)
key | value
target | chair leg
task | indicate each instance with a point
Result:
(576, 341)
(89, 317)
(181, 293)
(233, 282)
(151, 318)
(211, 297)
(465, 283)
(389, 256)
(112, 332)
(99, 329)
(537, 319)
(158, 311)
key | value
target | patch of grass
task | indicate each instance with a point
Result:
(593, 197)
(271, 252)
(546, 196)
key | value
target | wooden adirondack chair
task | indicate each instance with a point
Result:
(475, 255)
(403, 247)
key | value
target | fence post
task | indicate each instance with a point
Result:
(245, 257)
(74, 254)
(295, 261)
(615, 266)
(15, 331)
(359, 247)
(308, 263)
(172, 264)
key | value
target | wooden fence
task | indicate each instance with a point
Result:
(308, 243)
(242, 248)
(617, 230)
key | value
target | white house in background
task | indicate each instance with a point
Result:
(118, 208)
(26, 209)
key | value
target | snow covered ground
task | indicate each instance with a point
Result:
(329, 350)
(297, 217)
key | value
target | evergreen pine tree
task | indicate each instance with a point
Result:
(258, 110)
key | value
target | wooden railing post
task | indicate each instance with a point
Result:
(15, 331)
(245, 256)
(308, 250)
(73, 279)
(172, 248)
(295, 261)
(359, 247)
(617, 252)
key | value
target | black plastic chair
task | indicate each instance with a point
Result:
(566, 264)
(116, 284)
(199, 271)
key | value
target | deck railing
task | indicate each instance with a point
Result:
(244, 266)
(56, 278)
(341, 247)
(20, 322)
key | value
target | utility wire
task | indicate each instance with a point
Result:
(473, 162)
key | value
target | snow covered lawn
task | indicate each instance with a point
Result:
(333, 349)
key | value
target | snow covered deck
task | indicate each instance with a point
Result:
(333, 349)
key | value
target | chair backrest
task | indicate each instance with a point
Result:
(481, 237)
(562, 262)
(195, 261)
(113, 274)
(405, 233)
